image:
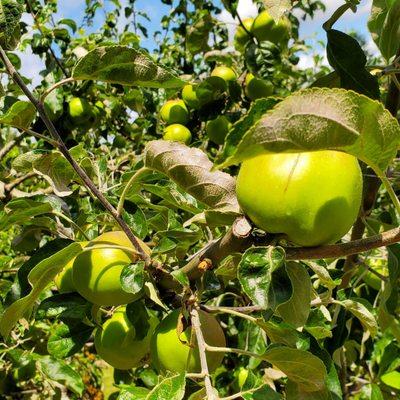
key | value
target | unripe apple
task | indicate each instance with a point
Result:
(79, 109)
(265, 28)
(169, 353)
(174, 112)
(379, 265)
(313, 198)
(118, 342)
(177, 133)
(63, 279)
(96, 272)
(224, 72)
(189, 96)
(218, 128)
(257, 88)
(241, 36)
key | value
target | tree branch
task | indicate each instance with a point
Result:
(196, 325)
(64, 150)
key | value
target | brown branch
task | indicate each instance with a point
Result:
(196, 325)
(9, 146)
(64, 150)
(10, 186)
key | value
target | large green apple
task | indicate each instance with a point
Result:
(177, 133)
(265, 28)
(169, 353)
(241, 36)
(257, 88)
(224, 72)
(63, 279)
(218, 128)
(174, 112)
(313, 198)
(96, 272)
(118, 341)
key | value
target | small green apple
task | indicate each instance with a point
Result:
(174, 112)
(177, 133)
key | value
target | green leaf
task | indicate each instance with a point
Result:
(317, 325)
(60, 372)
(277, 8)
(67, 340)
(52, 166)
(360, 311)
(125, 66)
(39, 277)
(294, 391)
(321, 119)
(10, 15)
(133, 277)
(20, 115)
(384, 26)
(347, 58)
(170, 388)
(197, 33)
(133, 393)
(392, 379)
(296, 310)
(190, 168)
(303, 368)
(139, 318)
(239, 129)
(256, 275)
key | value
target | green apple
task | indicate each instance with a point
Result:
(169, 353)
(265, 28)
(379, 265)
(80, 110)
(189, 96)
(218, 128)
(313, 197)
(174, 112)
(257, 88)
(224, 72)
(63, 279)
(177, 133)
(96, 272)
(118, 341)
(241, 36)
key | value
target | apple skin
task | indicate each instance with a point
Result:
(257, 88)
(265, 28)
(224, 72)
(177, 133)
(241, 36)
(79, 109)
(169, 353)
(218, 128)
(116, 344)
(313, 197)
(63, 279)
(189, 96)
(96, 273)
(174, 112)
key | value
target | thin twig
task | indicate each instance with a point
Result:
(64, 150)
(55, 86)
(196, 325)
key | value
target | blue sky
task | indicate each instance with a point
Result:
(311, 30)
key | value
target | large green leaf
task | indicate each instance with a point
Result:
(10, 14)
(125, 66)
(302, 367)
(39, 277)
(348, 59)
(385, 27)
(259, 273)
(320, 119)
(295, 311)
(170, 388)
(190, 168)
(20, 115)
